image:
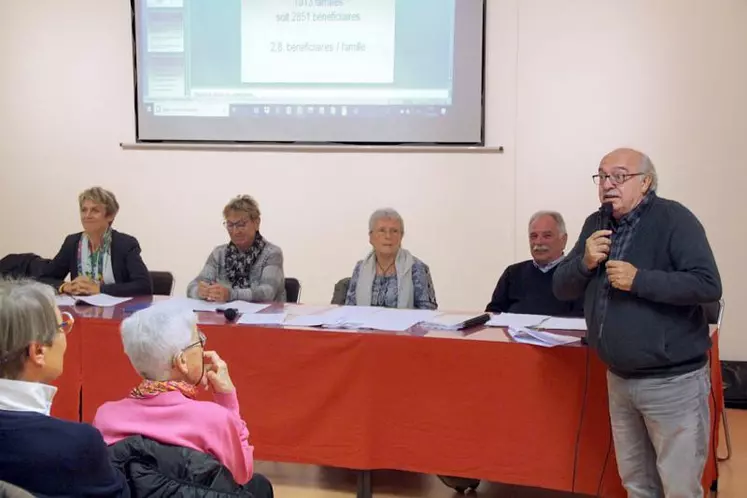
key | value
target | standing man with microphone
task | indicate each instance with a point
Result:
(645, 269)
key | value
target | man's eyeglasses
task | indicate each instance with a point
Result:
(201, 342)
(615, 178)
(235, 224)
(66, 326)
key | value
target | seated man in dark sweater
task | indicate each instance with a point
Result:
(526, 287)
(38, 453)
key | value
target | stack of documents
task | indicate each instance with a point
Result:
(364, 317)
(542, 322)
(540, 338)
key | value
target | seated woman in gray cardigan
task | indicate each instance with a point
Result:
(390, 276)
(248, 268)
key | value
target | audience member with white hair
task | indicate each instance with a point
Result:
(167, 349)
(390, 276)
(41, 454)
(526, 287)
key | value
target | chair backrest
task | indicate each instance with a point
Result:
(163, 282)
(341, 291)
(292, 290)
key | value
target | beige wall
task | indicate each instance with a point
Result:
(566, 82)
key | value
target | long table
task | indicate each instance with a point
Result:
(501, 411)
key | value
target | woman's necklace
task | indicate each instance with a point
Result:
(384, 271)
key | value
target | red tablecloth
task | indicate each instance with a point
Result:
(67, 400)
(494, 410)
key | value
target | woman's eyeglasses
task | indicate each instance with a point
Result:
(236, 225)
(201, 342)
(68, 320)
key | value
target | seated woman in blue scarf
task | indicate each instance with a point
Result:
(99, 259)
(390, 276)
(248, 268)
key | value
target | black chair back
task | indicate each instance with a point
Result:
(163, 283)
(292, 290)
(341, 291)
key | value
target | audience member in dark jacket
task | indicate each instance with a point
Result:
(38, 453)
(99, 259)
(154, 470)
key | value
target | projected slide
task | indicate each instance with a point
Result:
(304, 41)
(359, 71)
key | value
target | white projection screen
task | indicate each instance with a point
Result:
(310, 71)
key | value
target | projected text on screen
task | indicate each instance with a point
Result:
(300, 41)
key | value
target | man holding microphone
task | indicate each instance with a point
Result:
(645, 269)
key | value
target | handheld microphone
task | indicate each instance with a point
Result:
(605, 216)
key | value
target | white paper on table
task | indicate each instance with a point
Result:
(102, 300)
(193, 304)
(262, 318)
(516, 320)
(555, 323)
(305, 321)
(540, 338)
(243, 306)
(347, 316)
(64, 301)
(305, 309)
(364, 317)
(397, 320)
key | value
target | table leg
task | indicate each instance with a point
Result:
(364, 484)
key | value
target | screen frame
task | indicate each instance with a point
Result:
(137, 106)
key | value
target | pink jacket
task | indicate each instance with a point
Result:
(215, 428)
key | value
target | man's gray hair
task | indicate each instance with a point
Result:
(647, 167)
(27, 314)
(382, 214)
(154, 336)
(559, 221)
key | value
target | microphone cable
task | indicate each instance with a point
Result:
(602, 220)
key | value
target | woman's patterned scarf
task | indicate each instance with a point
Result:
(96, 265)
(151, 388)
(239, 263)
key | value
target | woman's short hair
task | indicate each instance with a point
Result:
(383, 214)
(244, 204)
(27, 314)
(100, 196)
(154, 336)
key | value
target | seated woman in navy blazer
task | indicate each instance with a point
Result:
(99, 259)
(44, 455)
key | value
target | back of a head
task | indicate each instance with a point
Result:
(27, 315)
(154, 336)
